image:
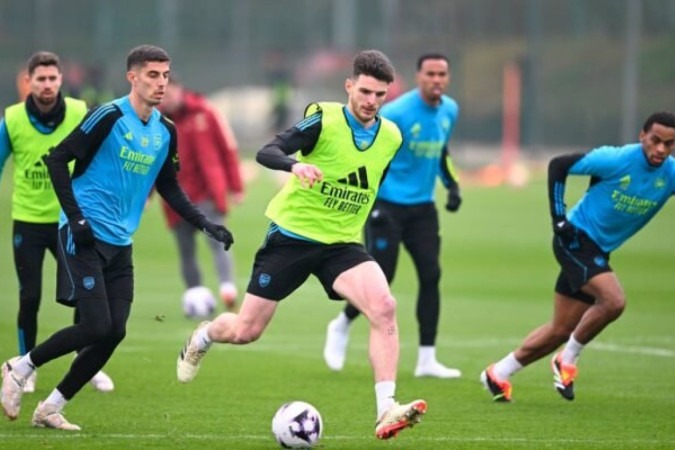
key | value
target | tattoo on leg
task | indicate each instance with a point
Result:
(392, 331)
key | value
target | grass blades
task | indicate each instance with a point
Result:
(498, 275)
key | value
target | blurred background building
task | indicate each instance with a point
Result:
(579, 73)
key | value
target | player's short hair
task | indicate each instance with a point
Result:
(42, 58)
(143, 54)
(373, 63)
(427, 56)
(664, 118)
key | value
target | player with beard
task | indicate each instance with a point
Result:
(27, 132)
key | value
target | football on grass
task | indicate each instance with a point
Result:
(297, 425)
(198, 303)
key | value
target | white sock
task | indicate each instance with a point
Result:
(57, 398)
(342, 322)
(384, 393)
(571, 352)
(506, 367)
(426, 354)
(24, 367)
(203, 339)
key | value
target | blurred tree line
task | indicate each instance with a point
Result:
(591, 70)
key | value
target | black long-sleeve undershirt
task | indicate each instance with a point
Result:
(558, 169)
(447, 170)
(167, 186)
(57, 165)
(81, 147)
(277, 153)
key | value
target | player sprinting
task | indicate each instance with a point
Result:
(628, 186)
(405, 212)
(317, 221)
(121, 150)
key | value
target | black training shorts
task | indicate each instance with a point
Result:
(580, 260)
(284, 263)
(102, 271)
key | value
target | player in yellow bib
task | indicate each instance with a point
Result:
(27, 132)
(317, 221)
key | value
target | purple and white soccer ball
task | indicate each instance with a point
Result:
(297, 425)
(198, 302)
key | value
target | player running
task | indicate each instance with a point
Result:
(628, 186)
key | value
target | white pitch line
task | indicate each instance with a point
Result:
(640, 350)
(266, 437)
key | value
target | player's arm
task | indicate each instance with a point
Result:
(450, 180)
(81, 146)
(167, 186)
(558, 169)
(277, 154)
(449, 176)
(5, 146)
(302, 137)
(448, 173)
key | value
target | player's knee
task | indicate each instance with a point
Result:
(93, 334)
(430, 276)
(383, 310)
(117, 334)
(95, 330)
(614, 306)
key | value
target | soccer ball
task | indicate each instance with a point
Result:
(297, 425)
(198, 302)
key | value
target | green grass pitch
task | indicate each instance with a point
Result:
(498, 273)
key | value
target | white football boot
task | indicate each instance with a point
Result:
(12, 390)
(398, 417)
(47, 415)
(102, 382)
(190, 357)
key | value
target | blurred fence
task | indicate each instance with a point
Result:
(591, 70)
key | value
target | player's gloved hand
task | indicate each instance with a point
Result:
(563, 228)
(83, 235)
(219, 233)
(454, 200)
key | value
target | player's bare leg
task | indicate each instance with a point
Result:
(367, 289)
(240, 328)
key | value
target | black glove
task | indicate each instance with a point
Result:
(83, 235)
(454, 200)
(219, 233)
(564, 229)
